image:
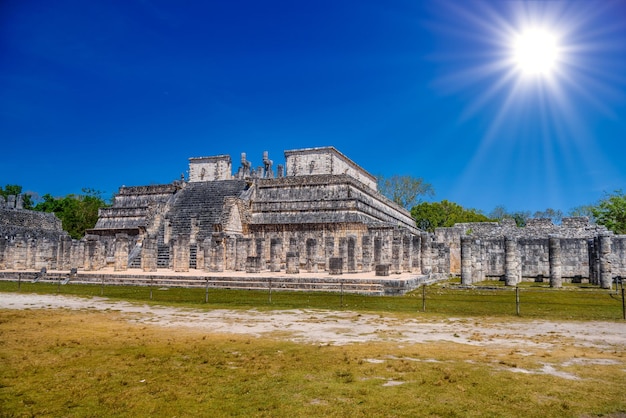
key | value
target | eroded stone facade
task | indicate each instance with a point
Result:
(574, 251)
(321, 213)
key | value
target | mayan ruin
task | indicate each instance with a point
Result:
(320, 214)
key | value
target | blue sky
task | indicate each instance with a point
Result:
(99, 94)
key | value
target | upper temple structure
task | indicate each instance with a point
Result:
(319, 213)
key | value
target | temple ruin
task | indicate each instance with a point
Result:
(319, 213)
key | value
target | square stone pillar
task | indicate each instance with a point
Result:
(329, 251)
(181, 253)
(417, 254)
(276, 250)
(64, 251)
(149, 254)
(466, 260)
(243, 252)
(396, 255)
(94, 253)
(368, 252)
(121, 252)
(231, 252)
(293, 262)
(216, 254)
(3, 248)
(512, 270)
(407, 253)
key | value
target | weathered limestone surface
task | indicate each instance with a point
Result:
(321, 212)
(574, 251)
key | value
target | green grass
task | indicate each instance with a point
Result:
(88, 364)
(577, 302)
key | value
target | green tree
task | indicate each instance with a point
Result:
(611, 212)
(406, 191)
(556, 215)
(77, 212)
(429, 216)
(583, 210)
(499, 213)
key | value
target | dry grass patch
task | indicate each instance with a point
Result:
(69, 363)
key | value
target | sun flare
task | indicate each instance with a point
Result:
(536, 52)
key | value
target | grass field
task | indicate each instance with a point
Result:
(578, 302)
(84, 363)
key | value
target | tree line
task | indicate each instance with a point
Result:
(79, 213)
(409, 192)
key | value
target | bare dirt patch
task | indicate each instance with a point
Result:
(347, 327)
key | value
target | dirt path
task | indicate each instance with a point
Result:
(345, 327)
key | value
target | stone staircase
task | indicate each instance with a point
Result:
(202, 204)
(354, 285)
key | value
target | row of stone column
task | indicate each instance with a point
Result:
(222, 252)
(472, 269)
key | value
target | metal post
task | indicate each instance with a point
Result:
(151, 288)
(424, 298)
(19, 281)
(623, 302)
(270, 290)
(517, 300)
(341, 286)
(206, 291)
(102, 287)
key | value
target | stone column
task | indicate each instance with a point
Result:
(121, 252)
(329, 251)
(181, 253)
(604, 250)
(260, 252)
(407, 253)
(242, 253)
(231, 253)
(64, 251)
(350, 262)
(311, 255)
(43, 254)
(396, 255)
(216, 253)
(591, 251)
(293, 263)
(426, 261)
(205, 248)
(94, 253)
(554, 257)
(478, 258)
(3, 247)
(378, 250)
(149, 252)
(366, 244)
(276, 251)
(466, 260)
(511, 262)
(77, 254)
(416, 266)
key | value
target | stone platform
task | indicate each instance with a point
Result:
(358, 283)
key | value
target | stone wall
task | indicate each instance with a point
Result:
(210, 168)
(29, 223)
(325, 160)
(573, 251)
(324, 199)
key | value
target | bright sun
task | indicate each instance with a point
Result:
(536, 52)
